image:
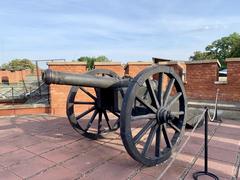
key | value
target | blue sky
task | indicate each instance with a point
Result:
(123, 30)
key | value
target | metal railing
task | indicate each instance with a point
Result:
(24, 94)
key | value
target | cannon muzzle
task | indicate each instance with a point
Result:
(87, 80)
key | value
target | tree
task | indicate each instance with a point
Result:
(19, 64)
(90, 60)
(220, 49)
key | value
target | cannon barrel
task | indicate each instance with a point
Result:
(56, 77)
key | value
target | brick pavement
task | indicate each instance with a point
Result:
(46, 147)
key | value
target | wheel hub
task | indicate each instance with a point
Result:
(162, 116)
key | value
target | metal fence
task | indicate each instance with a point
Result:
(29, 93)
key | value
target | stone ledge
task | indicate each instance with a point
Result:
(180, 63)
(140, 63)
(24, 106)
(203, 62)
(66, 63)
(221, 82)
(148, 63)
(107, 63)
(232, 59)
(211, 104)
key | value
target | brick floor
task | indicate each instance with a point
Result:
(46, 147)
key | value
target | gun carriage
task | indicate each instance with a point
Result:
(150, 109)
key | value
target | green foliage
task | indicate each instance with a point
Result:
(18, 64)
(90, 60)
(223, 48)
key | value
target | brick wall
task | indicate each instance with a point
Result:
(59, 93)
(14, 76)
(201, 80)
(114, 66)
(133, 68)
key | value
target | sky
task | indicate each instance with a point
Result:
(122, 30)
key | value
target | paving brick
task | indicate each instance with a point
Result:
(7, 175)
(30, 167)
(229, 132)
(42, 147)
(55, 173)
(222, 154)
(224, 145)
(219, 168)
(191, 148)
(83, 145)
(173, 172)
(142, 176)
(60, 155)
(7, 133)
(190, 175)
(6, 147)
(155, 170)
(110, 171)
(55, 138)
(14, 157)
(125, 160)
(24, 140)
(93, 158)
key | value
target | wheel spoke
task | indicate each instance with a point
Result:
(82, 102)
(159, 94)
(143, 131)
(152, 93)
(174, 127)
(99, 122)
(173, 100)
(118, 120)
(168, 91)
(88, 93)
(149, 139)
(168, 142)
(158, 141)
(107, 119)
(140, 117)
(91, 120)
(85, 113)
(146, 104)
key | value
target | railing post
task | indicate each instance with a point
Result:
(38, 79)
(206, 141)
(205, 172)
(12, 94)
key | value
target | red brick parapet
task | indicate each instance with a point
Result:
(133, 68)
(59, 93)
(117, 67)
(200, 78)
(14, 76)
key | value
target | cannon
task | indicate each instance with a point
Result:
(150, 109)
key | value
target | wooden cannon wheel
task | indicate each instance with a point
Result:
(94, 125)
(152, 122)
